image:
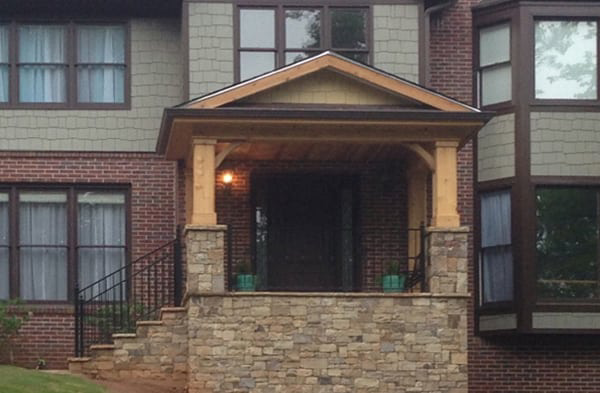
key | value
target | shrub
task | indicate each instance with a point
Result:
(12, 317)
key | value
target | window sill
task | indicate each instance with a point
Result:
(59, 106)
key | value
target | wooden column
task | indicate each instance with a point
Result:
(202, 162)
(445, 186)
(417, 207)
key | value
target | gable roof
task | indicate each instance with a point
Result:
(339, 64)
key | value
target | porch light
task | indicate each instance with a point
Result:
(227, 178)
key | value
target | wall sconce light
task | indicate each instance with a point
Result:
(227, 178)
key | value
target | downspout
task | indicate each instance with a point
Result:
(427, 16)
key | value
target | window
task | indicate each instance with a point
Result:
(45, 249)
(276, 36)
(566, 60)
(4, 63)
(100, 235)
(567, 242)
(62, 64)
(494, 74)
(496, 251)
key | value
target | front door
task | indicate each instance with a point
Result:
(303, 233)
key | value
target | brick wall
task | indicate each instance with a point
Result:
(49, 333)
(502, 364)
(382, 200)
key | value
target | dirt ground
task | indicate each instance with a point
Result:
(141, 386)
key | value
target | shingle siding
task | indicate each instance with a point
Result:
(496, 149)
(396, 40)
(210, 39)
(565, 144)
(156, 83)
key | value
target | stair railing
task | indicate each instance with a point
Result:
(136, 291)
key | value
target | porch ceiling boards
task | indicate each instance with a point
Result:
(315, 151)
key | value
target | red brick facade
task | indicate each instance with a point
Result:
(49, 332)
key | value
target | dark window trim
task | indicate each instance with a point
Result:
(478, 69)
(565, 101)
(496, 186)
(71, 64)
(280, 50)
(71, 191)
(558, 304)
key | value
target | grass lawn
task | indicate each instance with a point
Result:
(20, 380)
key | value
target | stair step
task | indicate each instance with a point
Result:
(102, 347)
(149, 323)
(123, 335)
(171, 310)
(79, 360)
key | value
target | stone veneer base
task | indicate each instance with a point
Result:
(342, 342)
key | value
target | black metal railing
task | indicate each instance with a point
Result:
(136, 291)
(414, 267)
(416, 273)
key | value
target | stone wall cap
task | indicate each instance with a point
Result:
(463, 229)
(205, 228)
(335, 295)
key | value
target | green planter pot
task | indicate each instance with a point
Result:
(245, 282)
(394, 283)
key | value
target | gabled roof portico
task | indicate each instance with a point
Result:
(324, 100)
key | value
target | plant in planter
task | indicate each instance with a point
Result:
(392, 280)
(245, 280)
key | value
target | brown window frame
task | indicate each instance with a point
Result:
(72, 246)
(71, 101)
(479, 69)
(564, 101)
(280, 50)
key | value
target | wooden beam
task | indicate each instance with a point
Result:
(445, 186)
(225, 152)
(424, 154)
(203, 187)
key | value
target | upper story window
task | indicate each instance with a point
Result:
(566, 61)
(271, 37)
(494, 71)
(63, 64)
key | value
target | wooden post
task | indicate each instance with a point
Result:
(203, 182)
(445, 186)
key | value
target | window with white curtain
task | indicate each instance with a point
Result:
(64, 235)
(101, 238)
(4, 63)
(101, 63)
(59, 65)
(494, 73)
(496, 259)
(43, 245)
(4, 250)
(42, 63)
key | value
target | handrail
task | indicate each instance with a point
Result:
(135, 291)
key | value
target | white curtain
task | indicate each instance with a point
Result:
(3, 63)
(101, 55)
(497, 261)
(43, 246)
(101, 236)
(4, 272)
(42, 76)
